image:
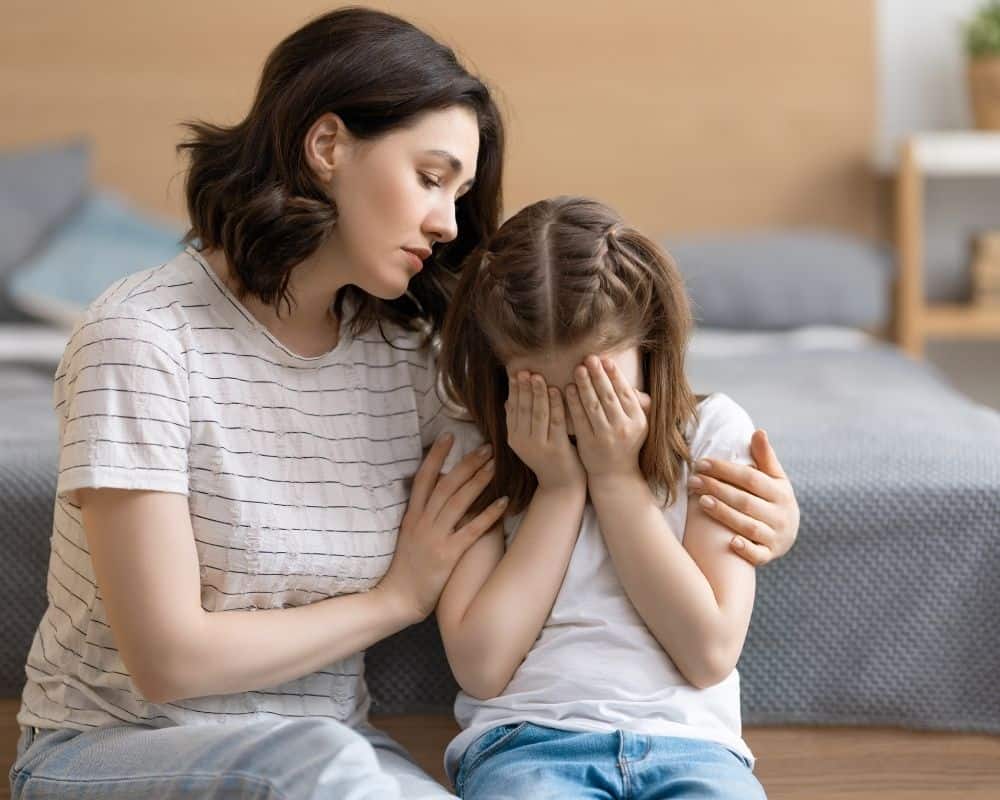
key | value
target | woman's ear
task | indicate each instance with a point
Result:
(325, 145)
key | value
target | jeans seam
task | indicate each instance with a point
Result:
(623, 766)
(245, 776)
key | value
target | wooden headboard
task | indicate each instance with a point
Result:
(686, 116)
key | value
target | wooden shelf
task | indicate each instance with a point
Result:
(962, 320)
(946, 153)
(957, 153)
(922, 156)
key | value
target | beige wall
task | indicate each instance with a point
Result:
(687, 116)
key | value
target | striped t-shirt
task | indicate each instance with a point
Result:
(297, 472)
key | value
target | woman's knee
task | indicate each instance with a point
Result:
(323, 757)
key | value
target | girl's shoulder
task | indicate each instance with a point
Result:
(721, 428)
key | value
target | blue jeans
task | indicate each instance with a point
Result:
(526, 760)
(281, 759)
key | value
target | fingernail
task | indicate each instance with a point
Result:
(703, 465)
(696, 482)
(446, 438)
(706, 501)
(484, 450)
(503, 501)
(488, 466)
(737, 543)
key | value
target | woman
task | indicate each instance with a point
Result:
(240, 429)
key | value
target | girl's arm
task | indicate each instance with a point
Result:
(695, 598)
(144, 557)
(495, 603)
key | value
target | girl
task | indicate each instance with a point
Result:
(244, 501)
(595, 633)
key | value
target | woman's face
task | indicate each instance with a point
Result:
(396, 198)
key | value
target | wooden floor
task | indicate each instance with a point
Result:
(792, 763)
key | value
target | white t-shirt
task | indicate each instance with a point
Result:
(297, 473)
(595, 665)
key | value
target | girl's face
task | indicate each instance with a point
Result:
(396, 198)
(557, 367)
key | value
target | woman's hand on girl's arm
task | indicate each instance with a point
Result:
(758, 504)
(496, 603)
(144, 556)
(434, 533)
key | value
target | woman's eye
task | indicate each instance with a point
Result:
(429, 181)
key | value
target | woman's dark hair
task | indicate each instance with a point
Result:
(251, 193)
(559, 273)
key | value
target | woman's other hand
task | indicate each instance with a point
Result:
(757, 503)
(435, 533)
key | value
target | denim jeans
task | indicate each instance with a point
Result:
(514, 762)
(278, 759)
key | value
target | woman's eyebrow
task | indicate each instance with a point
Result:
(454, 164)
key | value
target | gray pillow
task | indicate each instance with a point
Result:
(39, 188)
(785, 279)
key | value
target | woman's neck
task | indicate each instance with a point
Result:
(307, 324)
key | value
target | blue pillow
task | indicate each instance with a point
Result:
(105, 240)
(39, 188)
(785, 279)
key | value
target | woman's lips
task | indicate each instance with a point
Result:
(415, 261)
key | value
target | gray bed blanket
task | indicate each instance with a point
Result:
(884, 613)
(28, 457)
(887, 611)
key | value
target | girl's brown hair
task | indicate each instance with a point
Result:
(251, 193)
(559, 273)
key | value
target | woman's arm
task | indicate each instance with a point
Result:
(496, 603)
(757, 504)
(144, 556)
(696, 598)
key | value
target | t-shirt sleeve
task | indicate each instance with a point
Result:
(723, 431)
(437, 418)
(121, 397)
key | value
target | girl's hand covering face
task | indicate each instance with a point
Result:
(755, 502)
(608, 417)
(536, 432)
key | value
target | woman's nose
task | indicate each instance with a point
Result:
(441, 224)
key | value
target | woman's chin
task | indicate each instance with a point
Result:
(387, 290)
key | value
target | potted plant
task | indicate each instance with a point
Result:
(982, 44)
